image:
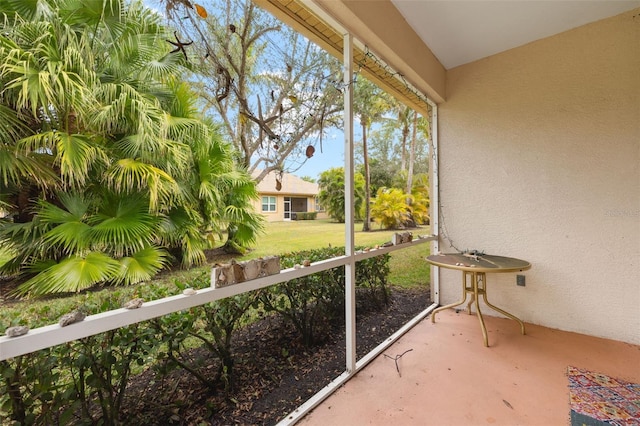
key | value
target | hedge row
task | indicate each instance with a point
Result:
(304, 215)
(84, 381)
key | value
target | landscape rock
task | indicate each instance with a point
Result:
(16, 331)
(71, 317)
(134, 303)
(237, 272)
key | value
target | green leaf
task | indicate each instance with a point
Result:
(72, 274)
(123, 224)
(141, 265)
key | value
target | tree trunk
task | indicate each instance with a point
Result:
(412, 156)
(403, 152)
(367, 183)
(412, 152)
(231, 246)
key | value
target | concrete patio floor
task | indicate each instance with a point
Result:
(448, 377)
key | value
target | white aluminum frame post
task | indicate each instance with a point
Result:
(349, 209)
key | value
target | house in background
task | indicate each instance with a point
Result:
(294, 196)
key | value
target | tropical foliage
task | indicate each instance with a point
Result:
(331, 194)
(393, 208)
(420, 202)
(390, 208)
(369, 103)
(108, 173)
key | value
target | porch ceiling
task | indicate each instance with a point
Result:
(458, 32)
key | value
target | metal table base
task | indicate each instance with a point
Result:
(477, 286)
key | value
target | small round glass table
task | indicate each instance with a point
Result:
(474, 268)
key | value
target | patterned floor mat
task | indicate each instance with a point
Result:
(597, 399)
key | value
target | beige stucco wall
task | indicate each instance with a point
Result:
(278, 215)
(540, 159)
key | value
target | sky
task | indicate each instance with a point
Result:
(332, 155)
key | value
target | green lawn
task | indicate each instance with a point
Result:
(408, 267)
(290, 236)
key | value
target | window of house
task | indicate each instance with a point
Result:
(268, 204)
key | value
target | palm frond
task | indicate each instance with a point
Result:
(123, 109)
(192, 247)
(67, 226)
(76, 155)
(12, 128)
(129, 175)
(72, 237)
(40, 87)
(247, 224)
(31, 9)
(72, 274)
(15, 167)
(123, 226)
(142, 265)
(182, 229)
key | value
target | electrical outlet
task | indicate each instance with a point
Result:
(520, 280)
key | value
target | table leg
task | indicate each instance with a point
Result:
(502, 311)
(469, 289)
(464, 298)
(476, 289)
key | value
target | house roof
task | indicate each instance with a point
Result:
(291, 185)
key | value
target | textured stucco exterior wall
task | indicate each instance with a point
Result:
(540, 159)
(299, 202)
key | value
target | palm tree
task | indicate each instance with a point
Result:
(331, 195)
(369, 103)
(108, 172)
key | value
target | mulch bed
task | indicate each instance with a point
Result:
(274, 372)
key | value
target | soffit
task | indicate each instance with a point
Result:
(305, 21)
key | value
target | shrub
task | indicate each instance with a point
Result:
(211, 325)
(371, 279)
(310, 303)
(101, 365)
(85, 380)
(86, 377)
(33, 391)
(390, 208)
(304, 215)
